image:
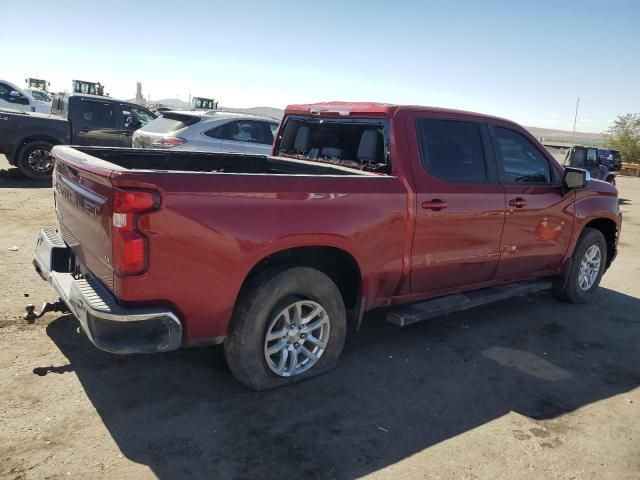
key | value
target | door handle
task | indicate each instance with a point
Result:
(435, 205)
(518, 202)
(126, 134)
(84, 130)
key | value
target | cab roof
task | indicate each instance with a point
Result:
(377, 110)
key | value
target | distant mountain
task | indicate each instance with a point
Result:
(272, 112)
(581, 138)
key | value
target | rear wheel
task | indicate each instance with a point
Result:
(288, 325)
(35, 160)
(587, 267)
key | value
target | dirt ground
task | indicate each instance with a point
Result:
(529, 388)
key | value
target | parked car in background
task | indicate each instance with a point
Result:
(212, 131)
(26, 139)
(361, 206)
(580, 156)
(610, 158)
(14, 98)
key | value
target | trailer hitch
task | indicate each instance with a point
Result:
(31, 315)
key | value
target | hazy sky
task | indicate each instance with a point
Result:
(527, 61)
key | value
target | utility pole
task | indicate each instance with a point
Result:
(575, 118)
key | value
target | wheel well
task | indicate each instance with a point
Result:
(609, 230)
(37, 138)
(336, 263)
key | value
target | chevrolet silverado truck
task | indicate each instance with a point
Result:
(360, 206)
(26, 139)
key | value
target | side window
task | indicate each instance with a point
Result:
(135, 117)
(522, 162)
(96, 114)
(452, 150)
(5, 94)
(4, 91)
(250, 131)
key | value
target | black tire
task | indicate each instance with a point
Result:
(26, 167)
(258, 305)
(566, 287)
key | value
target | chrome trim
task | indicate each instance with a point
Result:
(91, 302)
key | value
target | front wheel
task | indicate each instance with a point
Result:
(35, 160)
(587, 267)
(288, 325)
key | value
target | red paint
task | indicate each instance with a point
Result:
(413, 236)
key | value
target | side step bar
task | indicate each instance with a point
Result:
(417, 312)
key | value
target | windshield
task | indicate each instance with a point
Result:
(357, 143)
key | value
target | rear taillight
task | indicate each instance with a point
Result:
(168, 142)
(129, 245)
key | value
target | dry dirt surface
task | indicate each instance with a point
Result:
(529, 388)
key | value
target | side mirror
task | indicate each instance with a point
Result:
(15, 94)
(576, 177)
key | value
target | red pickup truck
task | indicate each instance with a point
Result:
(361, 206)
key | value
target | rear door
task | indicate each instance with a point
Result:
(94, 123)
(460, 207)
(539, 216)
(131, 118)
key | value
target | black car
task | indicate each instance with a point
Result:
(26, 139)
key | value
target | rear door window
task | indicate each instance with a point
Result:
(249, 131)
(96, 114)
(522, 162)
(452, 150)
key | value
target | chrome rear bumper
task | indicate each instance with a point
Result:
(109, 325)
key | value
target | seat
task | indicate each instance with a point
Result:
(303, 139)
(368, 147)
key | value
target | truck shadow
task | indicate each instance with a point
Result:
(12, 178)
(395, 393)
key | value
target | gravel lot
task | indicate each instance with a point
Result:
(529, 388)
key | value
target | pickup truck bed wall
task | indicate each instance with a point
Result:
(214, 228)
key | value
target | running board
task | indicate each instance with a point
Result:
(417, 312)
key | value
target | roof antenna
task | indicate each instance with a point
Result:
(575, 118)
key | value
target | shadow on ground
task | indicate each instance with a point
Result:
(12, 178)
(395, 393)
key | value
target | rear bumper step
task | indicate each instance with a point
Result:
(436, 307)
(108, 325)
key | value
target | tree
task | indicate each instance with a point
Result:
(624, 135)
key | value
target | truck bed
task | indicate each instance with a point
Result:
(167, 161)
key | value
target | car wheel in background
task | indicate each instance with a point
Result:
(35, 160)
(288, 325)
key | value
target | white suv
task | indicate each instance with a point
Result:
(15, 98)
(212, 131)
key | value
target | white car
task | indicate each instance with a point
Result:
(13, 97)
(212, 131)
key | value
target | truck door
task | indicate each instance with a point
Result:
(539, 216)
(93, 123)
(130, 119)
(460, 209)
